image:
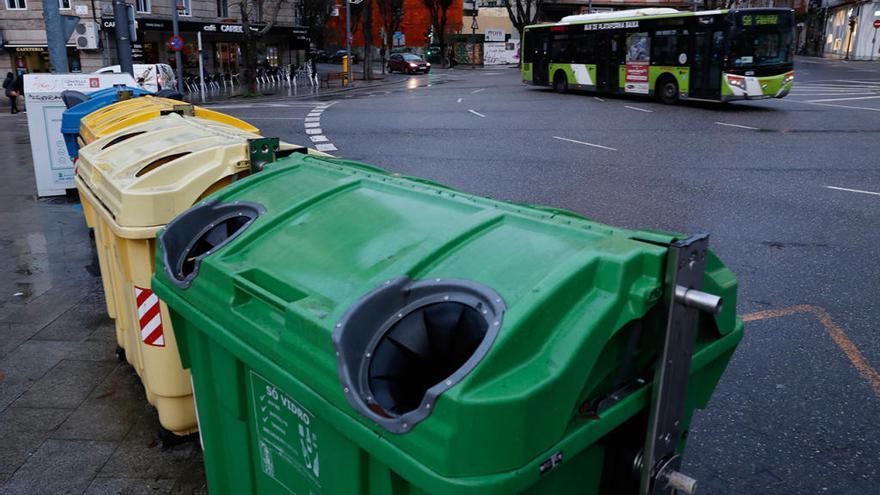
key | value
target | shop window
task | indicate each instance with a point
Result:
(144, 6)
(184, 8)
(64, 4)
(16, 4)
(222, 9)
(272, 56)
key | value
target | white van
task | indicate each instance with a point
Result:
(151, 77)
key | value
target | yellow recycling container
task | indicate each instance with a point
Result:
(135, 181)
(126, 113)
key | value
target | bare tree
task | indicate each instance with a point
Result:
(251, 11)
(391, 14)
(314, 14)
(367, 10)
(523, 13)
(438, 10)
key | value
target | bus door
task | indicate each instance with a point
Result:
(540, 64)
(706, 70)
(609, 48)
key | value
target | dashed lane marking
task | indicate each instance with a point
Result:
(478, 114)
(274, 118)
(325, 147)
(477, 91)
(459, 100)
(737, 125)
(319, 139)
(598, 99)
(836, 333)
(639, 109)
(860, 191)
(314, 131)
(585, 143)
(312, 124)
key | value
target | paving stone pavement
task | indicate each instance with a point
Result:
(73, 420)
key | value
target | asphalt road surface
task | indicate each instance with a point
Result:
(789, 190)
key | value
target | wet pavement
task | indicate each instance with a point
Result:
(72, 418)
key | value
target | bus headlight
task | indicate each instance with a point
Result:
(788, 78)
(737, 81)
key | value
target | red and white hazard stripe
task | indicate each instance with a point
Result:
(149, 316)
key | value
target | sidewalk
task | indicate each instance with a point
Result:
(72, 419)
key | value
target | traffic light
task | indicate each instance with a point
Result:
(852, 22)
(429, 35)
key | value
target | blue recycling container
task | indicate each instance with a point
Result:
(99, 99)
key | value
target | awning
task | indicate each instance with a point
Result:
(21, 45)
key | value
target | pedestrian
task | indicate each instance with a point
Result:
(451, 57)
(10, 92)
(18, 89)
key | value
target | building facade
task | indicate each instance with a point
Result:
(218, 21)
(850, 31)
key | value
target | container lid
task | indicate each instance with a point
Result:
(125, 113)
(70, 121)
(146, 174)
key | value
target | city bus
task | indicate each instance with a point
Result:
(717, 55)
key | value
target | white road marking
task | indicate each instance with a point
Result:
(313, 119)
(325, 147)
(584, 143)
(478, 114)
(852, 190)
(737, 125)
(598, 99)
(312, 124)
(273, 118)
(844, 99)
(841, 106)
(477, 91)
(639, 109)
(459, 100)
(314, 114)
(314, 131)
(319, 139)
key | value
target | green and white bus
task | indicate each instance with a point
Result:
(717, 55)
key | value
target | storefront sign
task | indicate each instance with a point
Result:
(107, 23)
(495, 35)
(52, 167)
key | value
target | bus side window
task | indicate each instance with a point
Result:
(529, 47)
(664, 48)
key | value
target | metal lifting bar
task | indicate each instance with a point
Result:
(659, 463)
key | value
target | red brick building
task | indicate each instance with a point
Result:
(415, 23)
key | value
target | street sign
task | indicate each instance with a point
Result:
(877, 24)
(175, 43)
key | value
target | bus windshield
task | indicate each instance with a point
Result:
(761, 40)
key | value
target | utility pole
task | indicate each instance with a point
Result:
(178, 58)
(474, 27)
(55, 39)
(123, 36)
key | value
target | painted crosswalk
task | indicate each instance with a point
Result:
(851, 94)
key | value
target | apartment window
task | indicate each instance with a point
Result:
(143, 6)
(64, 4)
(184, 8)
(16, 4)
(222, 9)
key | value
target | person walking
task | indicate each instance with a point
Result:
(451, 57)
(18, 89)
(8, 88)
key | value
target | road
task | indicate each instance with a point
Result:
(789, 190)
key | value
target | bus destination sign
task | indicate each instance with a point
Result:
(611, 25)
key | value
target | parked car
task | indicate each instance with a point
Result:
(319, 56)
(408, 63)
(152, 77)
(337, 57)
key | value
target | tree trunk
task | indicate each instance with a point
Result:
(368, 40)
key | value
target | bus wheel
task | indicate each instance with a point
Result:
(560, 82)
(668, 91)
